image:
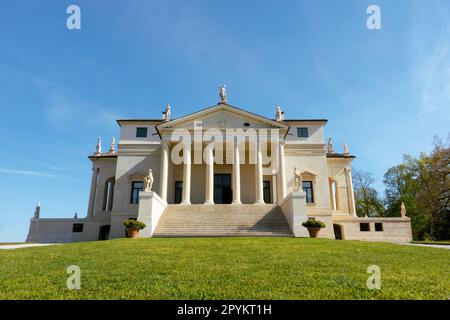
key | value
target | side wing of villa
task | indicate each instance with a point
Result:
(221, 171)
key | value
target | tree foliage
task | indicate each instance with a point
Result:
(422, 184)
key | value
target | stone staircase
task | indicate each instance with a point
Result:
(222, 220)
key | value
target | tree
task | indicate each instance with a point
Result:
(367, 200)
(434, 188)
(423, 184)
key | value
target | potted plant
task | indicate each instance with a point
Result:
(133, 227)
(313, 227)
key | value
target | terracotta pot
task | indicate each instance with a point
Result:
(313, 232)
(132, 232)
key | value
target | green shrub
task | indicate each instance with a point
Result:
(312, 223)
(133, 224)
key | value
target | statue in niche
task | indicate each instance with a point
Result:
(298, 180)
(148, 181)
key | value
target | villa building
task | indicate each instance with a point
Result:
(221, 171)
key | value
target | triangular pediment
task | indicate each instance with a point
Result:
(222, 116)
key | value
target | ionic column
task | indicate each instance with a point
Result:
(281, 173)
(92, 195)
(236, 175)
(186, 197)
(259, 199)
(351, 196)
(164, 170)
(209, 185)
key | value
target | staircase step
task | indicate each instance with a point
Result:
(222, 221)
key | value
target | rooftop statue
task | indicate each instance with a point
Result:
(112, 147)
(278, 113)
(223, 93)
(98, 148)
(37, 210)
(330, 148)
(167, 113)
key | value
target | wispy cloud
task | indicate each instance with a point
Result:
(27, 172)
(431, 60)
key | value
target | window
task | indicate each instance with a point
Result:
(141, 132)
(378, 226)
(308, 188)
(302, 132)
(266, 191)
(178, 191)
(364, 227)
(77, 227)
(108, 195)
(136, 186)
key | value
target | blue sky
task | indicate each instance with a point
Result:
(387, 92)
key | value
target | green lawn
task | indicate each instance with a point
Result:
(225, 268)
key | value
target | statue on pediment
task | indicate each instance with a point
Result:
(167, 113)
(223, 93)
(278, 114)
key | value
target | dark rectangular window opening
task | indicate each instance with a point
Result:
(77, 227)
(308, 188)
(266, 192)
(364, 227)
(302, 132)
(141, 132)
(136, 187)
(378, 226)
(178, 191)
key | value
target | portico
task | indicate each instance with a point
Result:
(198, 183)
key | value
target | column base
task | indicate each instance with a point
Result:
(185, 202)
(260, 202)
(236, 202)
(209, 203)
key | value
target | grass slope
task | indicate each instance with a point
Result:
(225, 268)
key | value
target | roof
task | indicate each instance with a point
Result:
(119, 121)
(159, 121)
(104, 156)
(306, 120)
(340, 155)
(223, 105)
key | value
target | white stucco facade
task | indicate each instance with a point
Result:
(145, 144)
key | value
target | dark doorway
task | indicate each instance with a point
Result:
(337, 231)
(178, 191)
(103, 233)
(222, 189)
(266, 192)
